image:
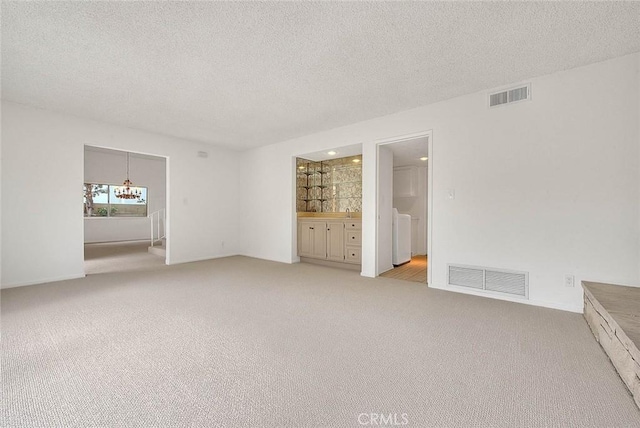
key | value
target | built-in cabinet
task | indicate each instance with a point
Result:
(405, 181)
(335, 240)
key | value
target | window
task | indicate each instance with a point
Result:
(100, 201)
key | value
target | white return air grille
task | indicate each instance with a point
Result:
(494, 280)
(508, 96)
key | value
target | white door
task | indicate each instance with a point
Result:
(385, 208)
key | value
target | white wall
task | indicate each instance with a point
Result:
(549, 186)
(116, 229)
(416, 207)
(109, 167)
(44, 150)
(0, 199)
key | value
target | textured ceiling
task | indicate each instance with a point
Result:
(246, 74)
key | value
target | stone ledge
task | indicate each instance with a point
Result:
(613, 314)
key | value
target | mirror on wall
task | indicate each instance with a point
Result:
(333, 185)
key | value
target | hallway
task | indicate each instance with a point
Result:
(414, 271)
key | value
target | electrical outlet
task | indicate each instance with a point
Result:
(569, 280)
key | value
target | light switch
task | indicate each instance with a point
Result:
(451, 194)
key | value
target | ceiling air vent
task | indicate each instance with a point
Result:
(508, 96)
(490, 280)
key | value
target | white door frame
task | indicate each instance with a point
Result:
(398, 139)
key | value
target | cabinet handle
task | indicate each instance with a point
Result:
(311, 228)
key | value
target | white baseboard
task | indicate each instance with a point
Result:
(42, 281)
(367, 274)
(541, 303)
(330, 263)
(253, 256)
(201, 259)
(121, 241)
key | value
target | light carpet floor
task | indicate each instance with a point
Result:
(240, 342)
(111, 257)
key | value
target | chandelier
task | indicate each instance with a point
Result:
(125, 191)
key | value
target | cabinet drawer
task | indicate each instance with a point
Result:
(349, 224)
(354, 237)
(352, 255)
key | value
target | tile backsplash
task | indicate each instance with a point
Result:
(329, 186)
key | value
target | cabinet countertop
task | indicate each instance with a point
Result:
(342, 216)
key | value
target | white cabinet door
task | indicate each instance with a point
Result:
(319, 233)
(335, 241)
(312, 239)
(305, 238)
(353, 255)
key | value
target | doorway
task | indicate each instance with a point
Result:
(404, 207)
(124, 229)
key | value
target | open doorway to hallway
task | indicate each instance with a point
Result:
(403, 171)
(124, 226)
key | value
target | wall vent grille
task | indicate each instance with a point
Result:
(508, 96)
(501, 281)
